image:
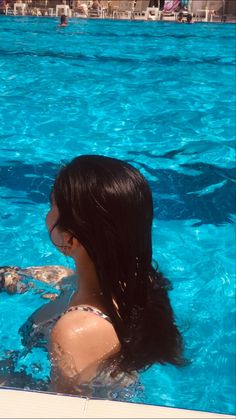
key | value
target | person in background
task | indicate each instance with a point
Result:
(96, 5)
(189, 18)
(3, 6)
(95, 8)
(110, 8)
(180, 17)
(184, 17)
(118, 320)
(64, 20)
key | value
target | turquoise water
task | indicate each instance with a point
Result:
(161, 96)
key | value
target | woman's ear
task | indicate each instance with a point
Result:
(75, 244)
(70, 242)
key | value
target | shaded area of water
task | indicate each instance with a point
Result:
(207, 195)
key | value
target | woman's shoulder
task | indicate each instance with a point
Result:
(82, 319)
(84, 340)
(80, 331)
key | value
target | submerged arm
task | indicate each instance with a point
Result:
(14, 280)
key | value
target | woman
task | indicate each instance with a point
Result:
(118, 320)
(63, 20)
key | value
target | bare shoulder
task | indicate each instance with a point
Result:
(86, 338)
(76, 324)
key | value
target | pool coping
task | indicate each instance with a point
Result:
(17, 403)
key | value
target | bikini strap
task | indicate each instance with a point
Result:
(89, 309)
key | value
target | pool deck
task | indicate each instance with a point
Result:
(165, 18)
(27, 404)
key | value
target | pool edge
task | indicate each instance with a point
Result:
(28, 404)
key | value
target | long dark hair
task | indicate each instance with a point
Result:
(107, 205)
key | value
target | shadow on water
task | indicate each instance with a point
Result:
(31, 182)
(208, 196)
(81, 57)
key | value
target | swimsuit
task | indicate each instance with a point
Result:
(104, 385)
(119, 386)
(34, 334)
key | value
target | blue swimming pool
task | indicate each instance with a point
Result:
(161, 96)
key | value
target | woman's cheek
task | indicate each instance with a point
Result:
(49, 220)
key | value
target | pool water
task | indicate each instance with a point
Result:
(161, 96)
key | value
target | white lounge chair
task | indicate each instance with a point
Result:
(50, 12)
(63, 9)
(140, 7)
(19, 7)
(123, 8)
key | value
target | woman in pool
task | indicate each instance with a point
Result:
(119, 319)
(63, 20)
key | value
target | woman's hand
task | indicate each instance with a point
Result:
(10, 280)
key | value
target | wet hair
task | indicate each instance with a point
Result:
(189, 18)
(107, 205)
(63, 19)
(180, 17)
